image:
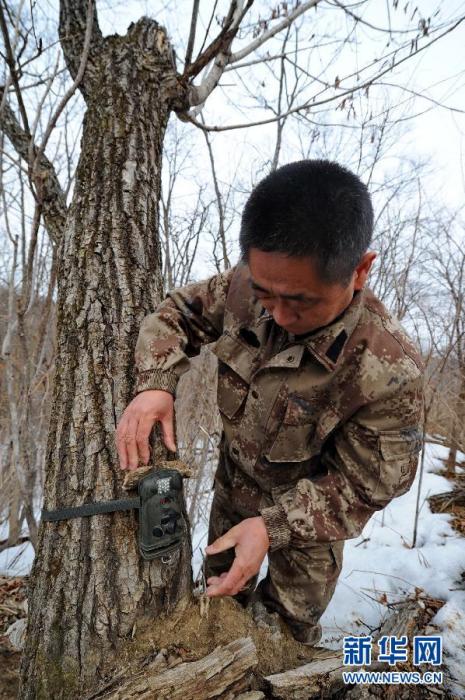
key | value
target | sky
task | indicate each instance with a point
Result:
(437, 73)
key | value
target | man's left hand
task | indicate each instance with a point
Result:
(251, 543)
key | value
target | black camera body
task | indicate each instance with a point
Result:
(161, 520)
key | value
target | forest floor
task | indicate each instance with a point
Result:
(380, 569)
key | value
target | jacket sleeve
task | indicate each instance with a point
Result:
(188, 318)
(366, 463)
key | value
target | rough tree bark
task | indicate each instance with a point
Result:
(89, 584)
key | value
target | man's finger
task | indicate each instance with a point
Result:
(167, 426)
(129, 438)
(215, 580)
(231, 584)
(142, 438)
(121, 448)
(225, 542)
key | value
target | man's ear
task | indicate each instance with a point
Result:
(363, 268)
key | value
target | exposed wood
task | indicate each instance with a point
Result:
(319, 678)
(410, 617)
(220, 674)
(323, 677)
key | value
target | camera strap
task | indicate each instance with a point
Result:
(160, 505)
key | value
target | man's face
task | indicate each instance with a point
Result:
(292, 291)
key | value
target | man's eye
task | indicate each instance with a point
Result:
(304, 304)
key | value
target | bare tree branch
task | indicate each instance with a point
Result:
(48, 188)
(222, 41)
(198, 94)
(219, 203)
(72, 31)
(292, 16)
(312, 103)
(77, 80)
(11, 61)
(191, 40)
(360, 20)
(207, 31)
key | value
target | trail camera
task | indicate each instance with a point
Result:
(161, 523)
(160, 506)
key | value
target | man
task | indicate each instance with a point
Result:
(319, 390)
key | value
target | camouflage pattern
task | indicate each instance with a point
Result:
(320, 431)
(300, 581)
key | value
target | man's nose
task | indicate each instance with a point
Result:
(282, 314)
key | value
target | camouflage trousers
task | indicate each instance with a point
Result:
(300, 581)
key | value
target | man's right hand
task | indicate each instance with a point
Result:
(136, 423)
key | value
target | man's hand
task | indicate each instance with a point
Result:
(136, 423)
(250, 540)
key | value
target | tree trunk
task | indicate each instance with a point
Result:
(88, 583)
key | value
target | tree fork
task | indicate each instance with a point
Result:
(89, 584)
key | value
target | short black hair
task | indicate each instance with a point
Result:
(313, 208)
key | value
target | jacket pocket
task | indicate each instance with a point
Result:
(398, 452)
(235, 368)
(293, 441)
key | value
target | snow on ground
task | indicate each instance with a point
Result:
(380, 561)
(16, 561)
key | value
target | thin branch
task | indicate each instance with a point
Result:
(11, 64)
(39, 111)
(70, 92)
(190, 43)
(437, 103)
(360, 20)
(198, 94)
(311, 104)
(222, 42)
(265, 59)
(219, 202)
(299, 10)
(208, 28)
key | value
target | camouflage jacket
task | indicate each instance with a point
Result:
(325, 428)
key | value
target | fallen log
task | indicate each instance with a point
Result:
(322, 678)
(443, 502)
(222, 674)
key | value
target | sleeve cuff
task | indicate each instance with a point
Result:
(277, 526)
(164, 380)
